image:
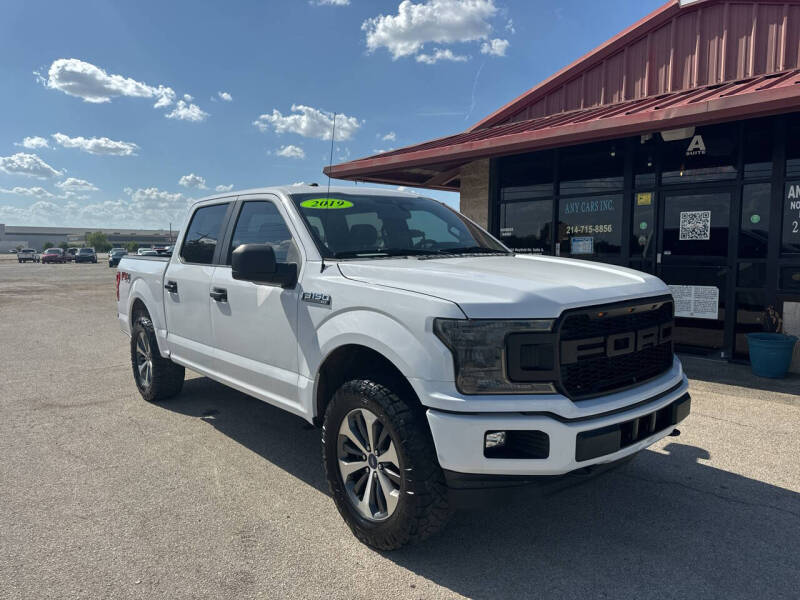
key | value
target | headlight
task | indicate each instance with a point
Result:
(501, 356)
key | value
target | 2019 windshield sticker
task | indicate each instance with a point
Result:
(326, 203)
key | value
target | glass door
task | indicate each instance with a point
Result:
(693, 259)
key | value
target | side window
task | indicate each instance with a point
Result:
(203, 234)
(261, 223)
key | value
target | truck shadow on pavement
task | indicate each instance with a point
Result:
(661, 526)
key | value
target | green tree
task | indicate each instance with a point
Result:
(98, 241)
(19, 248)
(131, 247)
(64, 246)
(48, 245)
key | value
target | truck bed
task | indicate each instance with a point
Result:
(146, 275)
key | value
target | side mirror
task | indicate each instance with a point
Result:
(256, 263)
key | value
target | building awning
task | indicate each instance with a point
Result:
(436, 164)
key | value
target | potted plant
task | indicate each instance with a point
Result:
(771, 352)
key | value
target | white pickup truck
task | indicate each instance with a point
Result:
(432, 357)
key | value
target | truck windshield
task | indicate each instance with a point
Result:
(369, 226)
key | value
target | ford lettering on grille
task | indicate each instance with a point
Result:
(618, 344)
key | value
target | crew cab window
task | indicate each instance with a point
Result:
(260, 222)
(203, 233)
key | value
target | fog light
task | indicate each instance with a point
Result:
(495, 439)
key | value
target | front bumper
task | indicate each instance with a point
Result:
(575, 441)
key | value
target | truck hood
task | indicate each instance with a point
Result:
(509, 287)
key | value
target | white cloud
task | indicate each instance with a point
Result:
(225, 96)
(437, 21)
(29, 165)
(291, 151)
(193, 181)
(440, 54)
(187, 112)
(144, 208)
(73, 184)
(36, 192)
(33, 142)
(188, 97)
(389, 137)
(101, 146)
(224, 188)
(92, 84)
(381, 150)
(496, 47)
(309, 122)
(333, 2)
(510, 27)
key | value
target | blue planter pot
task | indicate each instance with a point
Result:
(770, 353)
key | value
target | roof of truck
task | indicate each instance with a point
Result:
(322, 190)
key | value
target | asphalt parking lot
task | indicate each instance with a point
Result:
(217, 495)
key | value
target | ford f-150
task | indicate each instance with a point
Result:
(432, 356)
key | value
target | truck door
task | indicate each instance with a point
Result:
(255, 325)
(187, 284)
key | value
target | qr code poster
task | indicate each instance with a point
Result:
(696, 225)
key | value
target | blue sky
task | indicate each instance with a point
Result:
(132, 109)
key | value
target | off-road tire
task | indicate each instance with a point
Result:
(167, 377)
(422, 509)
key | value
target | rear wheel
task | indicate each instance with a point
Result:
(156, 378)
(381, 466)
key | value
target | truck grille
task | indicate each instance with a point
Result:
(604, 349)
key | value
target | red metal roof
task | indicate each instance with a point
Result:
(672, 49)
(435, 164)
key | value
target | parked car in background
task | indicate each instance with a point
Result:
(115, 255)
(69, 254)
(86, 255)
(148, 252)
(53, 255)
(141, 251)
(26, 255)
(12, 251)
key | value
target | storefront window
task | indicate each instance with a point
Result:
(644, 163)
(527, 226)
(791, 219)
(750, 306)
(590, 226)
(709, 154)
(697, 224)
(793, 146)
(757, 149)
(529, 175)
(755, 220)
(644, 221)
(592, 168)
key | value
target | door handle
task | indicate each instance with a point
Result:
(219, 294)
(171, 287)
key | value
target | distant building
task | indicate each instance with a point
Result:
(36, 237)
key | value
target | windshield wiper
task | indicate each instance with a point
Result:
(473, 250)
(389, 252)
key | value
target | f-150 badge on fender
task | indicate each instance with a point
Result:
(316, 298)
